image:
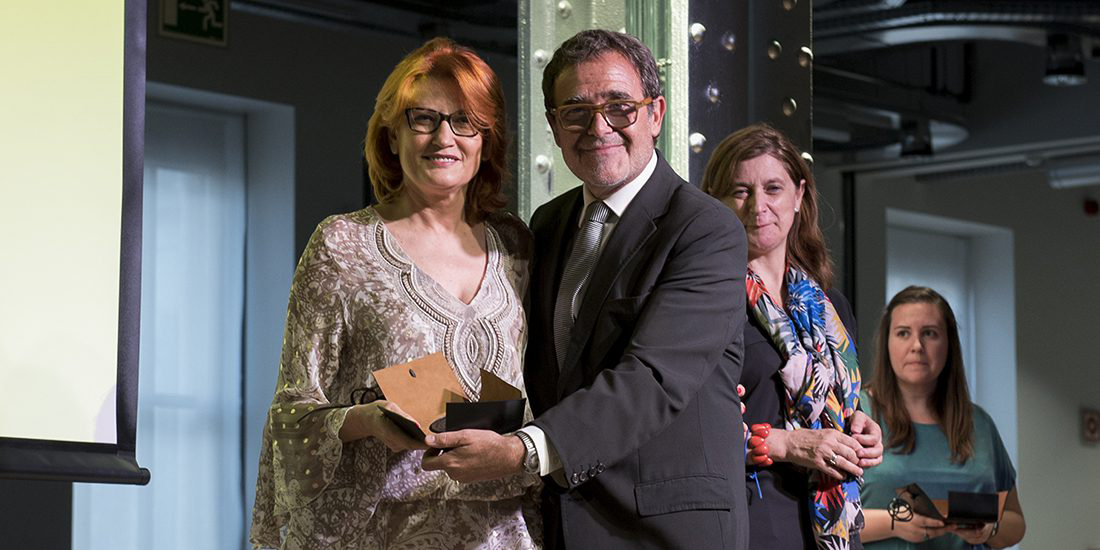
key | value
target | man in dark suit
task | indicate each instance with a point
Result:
(636, 313)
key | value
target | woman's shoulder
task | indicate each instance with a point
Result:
(840, 302)
(349, 220)
(838, 298)
(844, 309)
(514, 235)
(339, 226)
(989, 437)
(982, 419)
(340, 236)
(867, 405)
(985, 427)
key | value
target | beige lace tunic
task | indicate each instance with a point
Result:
(358, 304)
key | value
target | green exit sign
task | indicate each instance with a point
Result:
(205, 21)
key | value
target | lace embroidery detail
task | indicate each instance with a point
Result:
(465, 336)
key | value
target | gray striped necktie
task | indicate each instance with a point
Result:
(577, 268)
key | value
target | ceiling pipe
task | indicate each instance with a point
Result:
(1079, 17)
(854, 7)
(1035, 36)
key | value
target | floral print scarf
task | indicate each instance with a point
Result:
(821, 374)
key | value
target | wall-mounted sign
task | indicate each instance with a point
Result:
(205, 21)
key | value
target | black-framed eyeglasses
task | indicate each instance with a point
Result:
(618, 113)
(427, 121)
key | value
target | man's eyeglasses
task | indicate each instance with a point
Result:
(618, 114)
(427, 121)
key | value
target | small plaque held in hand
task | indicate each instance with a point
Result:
(428, 391)
(963, 509)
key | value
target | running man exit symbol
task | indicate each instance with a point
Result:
(205, 21)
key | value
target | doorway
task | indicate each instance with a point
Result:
(971, 265)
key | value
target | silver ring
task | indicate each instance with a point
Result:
(831, 461)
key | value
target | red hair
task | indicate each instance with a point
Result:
(480, 96)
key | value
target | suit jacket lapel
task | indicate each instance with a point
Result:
(633, 229)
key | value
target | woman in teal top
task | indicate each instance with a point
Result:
(934, 435)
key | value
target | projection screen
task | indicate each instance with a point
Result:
(71, 129)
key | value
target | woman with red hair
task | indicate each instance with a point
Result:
(435, 266)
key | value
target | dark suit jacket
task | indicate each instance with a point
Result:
(644, 412)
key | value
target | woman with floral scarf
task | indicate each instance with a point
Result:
(809, 440)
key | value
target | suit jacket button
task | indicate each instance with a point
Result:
(584, 476)
(593, 471)
(575, 478)
(599, 468)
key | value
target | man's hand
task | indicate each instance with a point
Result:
(869, 435)
(475, 455)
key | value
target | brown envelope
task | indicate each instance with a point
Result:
(422, 388)
(495, 389)
(427, 390)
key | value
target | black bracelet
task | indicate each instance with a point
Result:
(899, 510)
(359, 396)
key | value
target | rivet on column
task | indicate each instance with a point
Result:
(697, 141)
(697, 31)
(729, 41)
(805, 56)
(540, 57)
(565, 9)
(542, 163)
(789, 106)
(713, 94)
(774, 49)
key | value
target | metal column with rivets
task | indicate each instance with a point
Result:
(748, 61)
(723, 65)
(545, 24)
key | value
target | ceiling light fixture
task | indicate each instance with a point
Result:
(1065, 60)
(1079, 172)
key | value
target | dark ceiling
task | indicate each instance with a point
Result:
(487, 25)
(886, 73)
(902, 72)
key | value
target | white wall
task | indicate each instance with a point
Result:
(1057, 258)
